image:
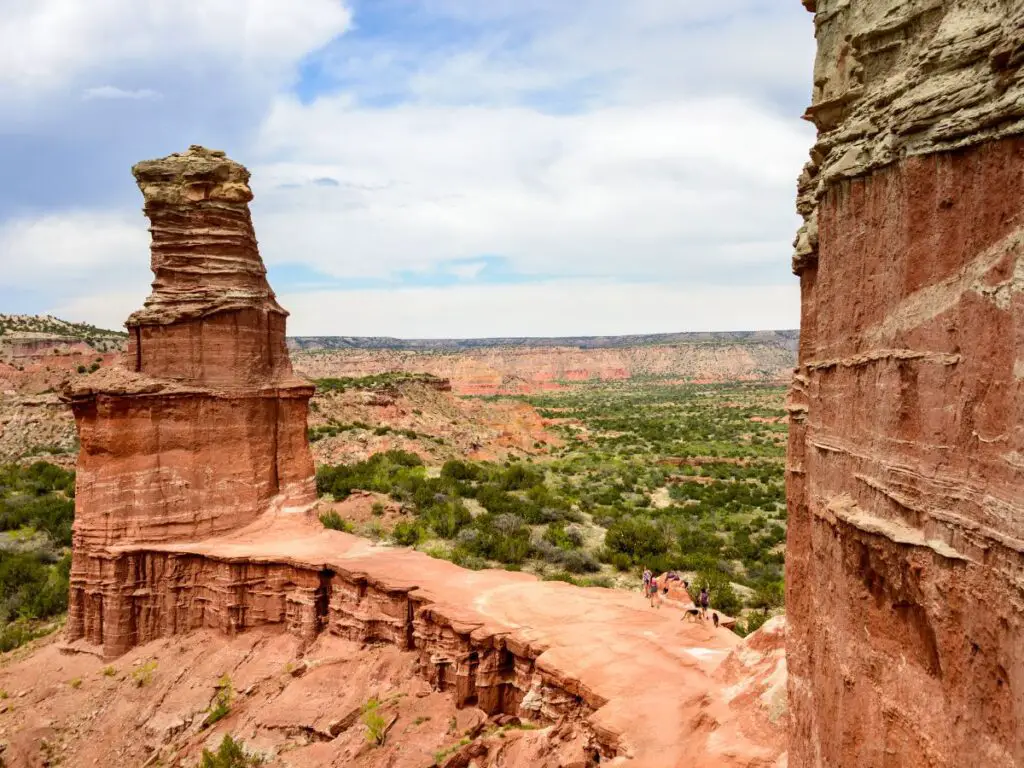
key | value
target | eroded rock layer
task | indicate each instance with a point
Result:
(203, 428)
(906, 532)
(597, 661)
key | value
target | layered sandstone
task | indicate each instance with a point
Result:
(203, 428)
(906, 503)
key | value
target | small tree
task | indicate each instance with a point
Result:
(376, 725)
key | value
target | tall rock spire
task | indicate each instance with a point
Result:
(203, 429)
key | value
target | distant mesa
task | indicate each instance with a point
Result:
(527, 365)
(787, 339)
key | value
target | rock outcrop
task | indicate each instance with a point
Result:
(195, 484)
(906, 502)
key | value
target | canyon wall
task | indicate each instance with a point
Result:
(524, 369)
(905, 559)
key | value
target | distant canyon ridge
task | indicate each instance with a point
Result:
(38, 353)
(526, 365)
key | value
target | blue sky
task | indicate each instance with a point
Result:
(427, 168)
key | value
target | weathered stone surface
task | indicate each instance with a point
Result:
(906, 502)
(203, 429)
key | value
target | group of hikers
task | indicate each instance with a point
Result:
(656, 589)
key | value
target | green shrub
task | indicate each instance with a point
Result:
(754, 622)
(376, 725)
(519, 477)
(447, 518)
(503, 537)
(407, 533)
(638, 539)
(454, 469)
(557, 534)
(331, 519)
(230, 754)
(222, 700)
(17, 633)
(143, 674)
(31, 588)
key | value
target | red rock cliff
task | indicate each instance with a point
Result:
(906, 460)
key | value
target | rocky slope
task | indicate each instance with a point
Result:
(906, 500)
(422, 416)
(486, 370)
(300, 703)
(36, 355)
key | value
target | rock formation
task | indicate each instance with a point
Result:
(193, 513)
(906, 501)
(207, 365)
(203, 429)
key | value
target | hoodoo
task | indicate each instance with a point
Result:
(203, 429)
(906, 460)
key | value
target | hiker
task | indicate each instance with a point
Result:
(705, 601)
(647, 581)
(655, 598)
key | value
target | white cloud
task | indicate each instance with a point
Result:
(113, 92)
(468, 270)
(667, 189)
(62, 249)
(569, 308)
(50, 43)
(642, 142)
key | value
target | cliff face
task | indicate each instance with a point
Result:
(906, 502)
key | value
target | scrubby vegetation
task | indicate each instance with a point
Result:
(376, 725)
(36, 514)
(378, 381)
(675, 477)
(230, 754)
(222, 701)
(56, 326)
(38, 498)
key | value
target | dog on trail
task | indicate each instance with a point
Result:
(693, 614)
(714, 618)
